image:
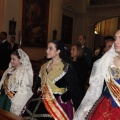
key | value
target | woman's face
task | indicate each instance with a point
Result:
(51, 51)
(74, 52)
(117, 42)
(15, 61)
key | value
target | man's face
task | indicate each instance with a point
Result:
(108, 45)
(12, 40)
(117, 42)
(81, 40)
(2, 36)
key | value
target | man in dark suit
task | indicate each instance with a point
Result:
(87, 52)
(14, 46)
(5, 51)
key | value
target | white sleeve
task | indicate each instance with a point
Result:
(93, 93)
(99, 71)
(3, 78)
(23, 94)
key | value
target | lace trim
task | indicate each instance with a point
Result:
(92, 109)
(61, 75)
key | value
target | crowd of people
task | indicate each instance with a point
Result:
(60, 91)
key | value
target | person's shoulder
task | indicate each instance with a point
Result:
(87, 48)
(7, 44)
(82, 60)
(16, 44)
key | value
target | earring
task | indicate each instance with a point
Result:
(57, 58)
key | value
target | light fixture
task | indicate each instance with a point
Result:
(95, 32)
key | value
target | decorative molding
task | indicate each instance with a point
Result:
(96, 14)
(68, 5)
(104, 2)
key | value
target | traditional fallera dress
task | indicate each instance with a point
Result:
(53, 100)
(101, 101)
(107, 106)
(19, 81)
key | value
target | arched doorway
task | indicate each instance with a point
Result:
(104, 28)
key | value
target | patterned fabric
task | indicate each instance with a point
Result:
(113, 83)
(96, 82)
(104, 111)
(35, 110)
(20, 81)
(44, 104)
(107, 106)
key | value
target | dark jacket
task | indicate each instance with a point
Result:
(5, 51)
(14, 48)
(69, 81)
(81, 70)
(87, 54)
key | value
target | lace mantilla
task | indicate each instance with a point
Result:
(21, 81)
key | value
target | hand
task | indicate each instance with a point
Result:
(10, 94)
(85, 113)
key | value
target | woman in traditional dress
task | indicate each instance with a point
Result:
(58, 94)
(16, 83)
(102, 100)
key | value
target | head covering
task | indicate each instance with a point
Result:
(26, 66)
(96, 82)
(21, 81)
(101, 66)
(24, 59)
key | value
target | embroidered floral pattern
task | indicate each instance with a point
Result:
(116, 73)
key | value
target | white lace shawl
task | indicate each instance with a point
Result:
(21, 81)
(96, 82)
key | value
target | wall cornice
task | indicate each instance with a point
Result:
(98, 13)
(106, 9)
